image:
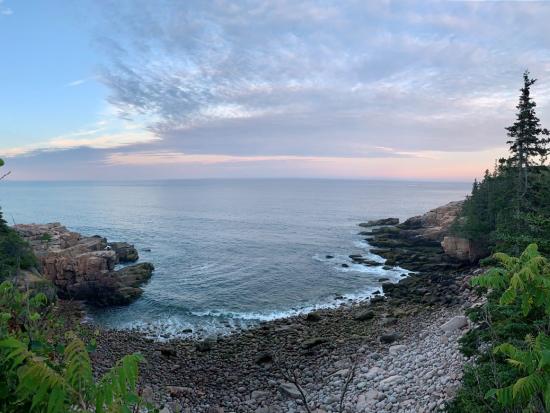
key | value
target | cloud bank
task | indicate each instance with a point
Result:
(300, 83)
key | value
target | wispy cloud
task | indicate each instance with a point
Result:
(166, 157)
(5, 11)
(100, 137)
(246, 78)
(79, 82)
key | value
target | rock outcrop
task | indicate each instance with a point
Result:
(125, 252)
(84, 267)
(425, 243)
(434, 225)
(380, 222)
(463, 249)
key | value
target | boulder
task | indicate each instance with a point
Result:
(364, 315)
(463, 249)
(204, 345)
(392, 380)
(379, 222)
(314, 316)
(395, 350)
(389, 338)
(290, 390)
(84, 267)
(455, 323)
(313, 342)
(125, 252)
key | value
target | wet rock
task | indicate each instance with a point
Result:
(313, 316)
(313, 342)
(364, 315)
(264, 358)
(204, 345)
(125, 252)
(378, 222)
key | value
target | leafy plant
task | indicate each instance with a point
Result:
(72, 388)
(41, 372)
(532, 390)
(526, 279)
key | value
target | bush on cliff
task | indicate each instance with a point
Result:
(15, 253)
(41, 372)
(511, 342)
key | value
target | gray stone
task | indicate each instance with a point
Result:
(290, 390)
(455, 323)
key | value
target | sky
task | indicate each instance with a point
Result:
(166, 89)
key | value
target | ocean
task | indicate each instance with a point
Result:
(231, 253)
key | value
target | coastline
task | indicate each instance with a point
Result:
(390, 353)
(241, 371)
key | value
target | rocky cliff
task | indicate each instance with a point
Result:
(434, 227)
(84, 267)
(424, 243)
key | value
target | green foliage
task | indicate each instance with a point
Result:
(40, 372)
(525, 279)
(532, 390)
(512, 369)
(15, 253)
(477, 381)
(510, 208)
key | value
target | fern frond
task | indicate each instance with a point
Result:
(78, 371)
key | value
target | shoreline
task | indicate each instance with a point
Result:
(389, 353)
(240, 372)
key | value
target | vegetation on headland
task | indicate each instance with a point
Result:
(42, 369)
(510, 207)
(508, 212)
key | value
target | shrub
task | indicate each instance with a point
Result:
(512, 369)
(40, 372)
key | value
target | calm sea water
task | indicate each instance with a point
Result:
(230, 253)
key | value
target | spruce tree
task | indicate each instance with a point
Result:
(528, 146)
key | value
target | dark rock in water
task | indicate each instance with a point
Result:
(387, 287)
(125, 252)
(313, 316)
(378, 222)
(187, 330)
(146, 249)
(313, 342)
(376, 293)
(264, 358)
(329, 257)
(389, 338)
(364, 315)
(370, 263)
(355, 256)
(345, 266)
(381, 280)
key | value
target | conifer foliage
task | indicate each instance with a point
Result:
(510, 208)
